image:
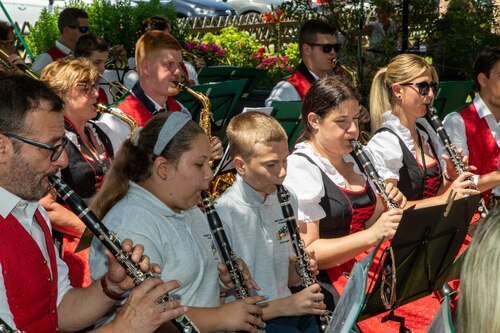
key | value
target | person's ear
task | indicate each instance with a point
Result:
(5, 147)
(306, 49)
(397, 91)
(481, 79)
(145, 66)
(313, 120)
(239, 165)
(162, 168)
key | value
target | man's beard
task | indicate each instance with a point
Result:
(25, 182)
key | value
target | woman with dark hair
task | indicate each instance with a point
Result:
(151, 193)
(340, 214)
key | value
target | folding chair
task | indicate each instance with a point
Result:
(289, 116)
(452, 95)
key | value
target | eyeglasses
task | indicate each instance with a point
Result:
(423, 87)
(327, 48)
(88, 86)
(57, 150)
(388, 287)
(82, 28)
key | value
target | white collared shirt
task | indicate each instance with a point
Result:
(285, 91)
(24, 212)
(455, 127)
(44, 59)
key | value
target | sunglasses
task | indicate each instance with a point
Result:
(88, 87)
(327, 48)
(388, 286)
(423, 87)
(57, 150)
(82, 28)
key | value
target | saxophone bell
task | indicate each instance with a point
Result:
(100, 108)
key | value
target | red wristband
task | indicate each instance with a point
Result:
(108, 292)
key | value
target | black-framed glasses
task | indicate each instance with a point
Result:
(82, 28)
(57, 150)
(328, 47)
(423, 87)
(89, 86)
(388, 287)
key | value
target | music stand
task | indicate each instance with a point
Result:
(226, 73)
(289, 115)
(425, 245)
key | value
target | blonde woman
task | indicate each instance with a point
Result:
(89, 152)
(408, 152)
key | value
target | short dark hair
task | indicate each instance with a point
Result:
(485, 61)
(155, 23)
(311, 28)
(69, 17)
(5, 30)
(20, 95)
(89, 43)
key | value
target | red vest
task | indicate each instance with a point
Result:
(30, 287)
(133, 107)
(300, 82)
(55, 53)
(483, 148)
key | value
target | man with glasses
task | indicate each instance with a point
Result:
(476, 128)
(72, 23)
(35, 293)
(318, 48)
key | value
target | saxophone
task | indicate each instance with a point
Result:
(346, 72)
(307, 278)
(100, 108)
(220, 182)
(111, 241)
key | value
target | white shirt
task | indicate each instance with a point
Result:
(117, 130)
(24, 212)
(44, 59)
(455, 127)
(285, 91)
(387, 153)
(305, 179)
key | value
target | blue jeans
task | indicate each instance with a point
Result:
(293, 324)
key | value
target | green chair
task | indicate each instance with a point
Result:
(225, 73)
(289, 116)
(451, 96)
(223, 97)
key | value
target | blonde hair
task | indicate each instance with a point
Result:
(249, 128)
(401, 69)
(64, 74)
(478, 304)
(153, 41)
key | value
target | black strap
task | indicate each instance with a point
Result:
(141, 96)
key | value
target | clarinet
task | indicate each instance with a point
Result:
(113, 244)
(4, 328)
(371, 172)
(452, 151)
(224, 248)
(304, 270)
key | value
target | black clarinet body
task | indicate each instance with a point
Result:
(371, 172)
(224, 248)
(452, 150)
(4, 328)
(304, 270)
(111, 241)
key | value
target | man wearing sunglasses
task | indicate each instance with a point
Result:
(72, 23)
(476, 130)
(318, 48)
(35, 293)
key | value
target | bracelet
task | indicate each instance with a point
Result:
(448, 177)
(110, 293)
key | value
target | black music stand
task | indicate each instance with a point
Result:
(425, 246)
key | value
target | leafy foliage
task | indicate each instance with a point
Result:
(118, 23)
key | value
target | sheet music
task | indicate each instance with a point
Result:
(266, 110)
